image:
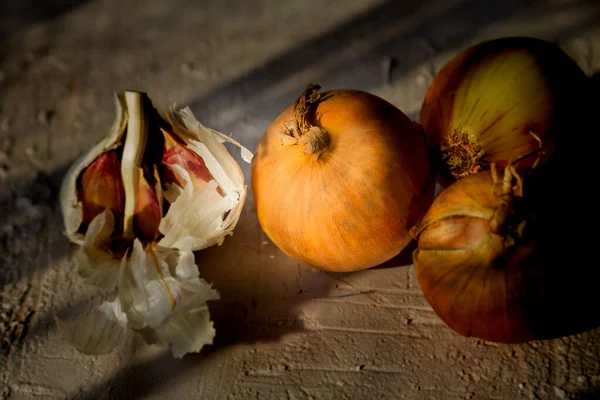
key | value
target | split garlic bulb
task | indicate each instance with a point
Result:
(138, 204)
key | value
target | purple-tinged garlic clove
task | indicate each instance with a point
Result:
(176, 153)
(101, 187)
(147, 210)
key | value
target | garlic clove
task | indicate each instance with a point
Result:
(102, 186)
(147, 209)
(71, 205)
(96, 264)
(177, 154)
(226, 172)
(96, 332)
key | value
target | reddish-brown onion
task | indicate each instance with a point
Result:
(505, 268)
(499, 99)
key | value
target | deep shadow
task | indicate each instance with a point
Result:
(146, 378)
(576, 31)
(31, 240)
(571, 207)
(139, 380)
(43, 189)
(31, 218)
(352, 54)
(593, 394)
(16, 15)
(261, 288)
(404, 259)
(29, 209)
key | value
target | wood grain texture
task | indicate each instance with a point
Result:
(284, 331)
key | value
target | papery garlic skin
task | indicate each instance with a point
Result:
(71, 206)
(195, 219)
(164, 298)
(140, 259)
(226, 172)
(160, 295)
(96, 332)
(95, 264)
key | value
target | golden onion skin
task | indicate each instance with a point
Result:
(524, 283)
(350, 206)
(497, 100)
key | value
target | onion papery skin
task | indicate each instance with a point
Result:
(527, 282)
(349, 206)
(498, 100)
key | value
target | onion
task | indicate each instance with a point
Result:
(503, 264)
(339, 178)
(500, 99)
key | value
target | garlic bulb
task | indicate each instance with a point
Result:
(138, 204)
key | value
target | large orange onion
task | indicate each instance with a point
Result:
(505, 265)
(339, 178)
(500, 99)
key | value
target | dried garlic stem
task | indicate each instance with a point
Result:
(133, 152)
(313, 139)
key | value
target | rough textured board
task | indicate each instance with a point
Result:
(285, 331)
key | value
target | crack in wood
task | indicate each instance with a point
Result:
(367, 331)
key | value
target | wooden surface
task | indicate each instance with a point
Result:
(284, 330)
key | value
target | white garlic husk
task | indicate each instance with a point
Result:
(70, 205)
(159, 294)
(138, 218)
(184, 232)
